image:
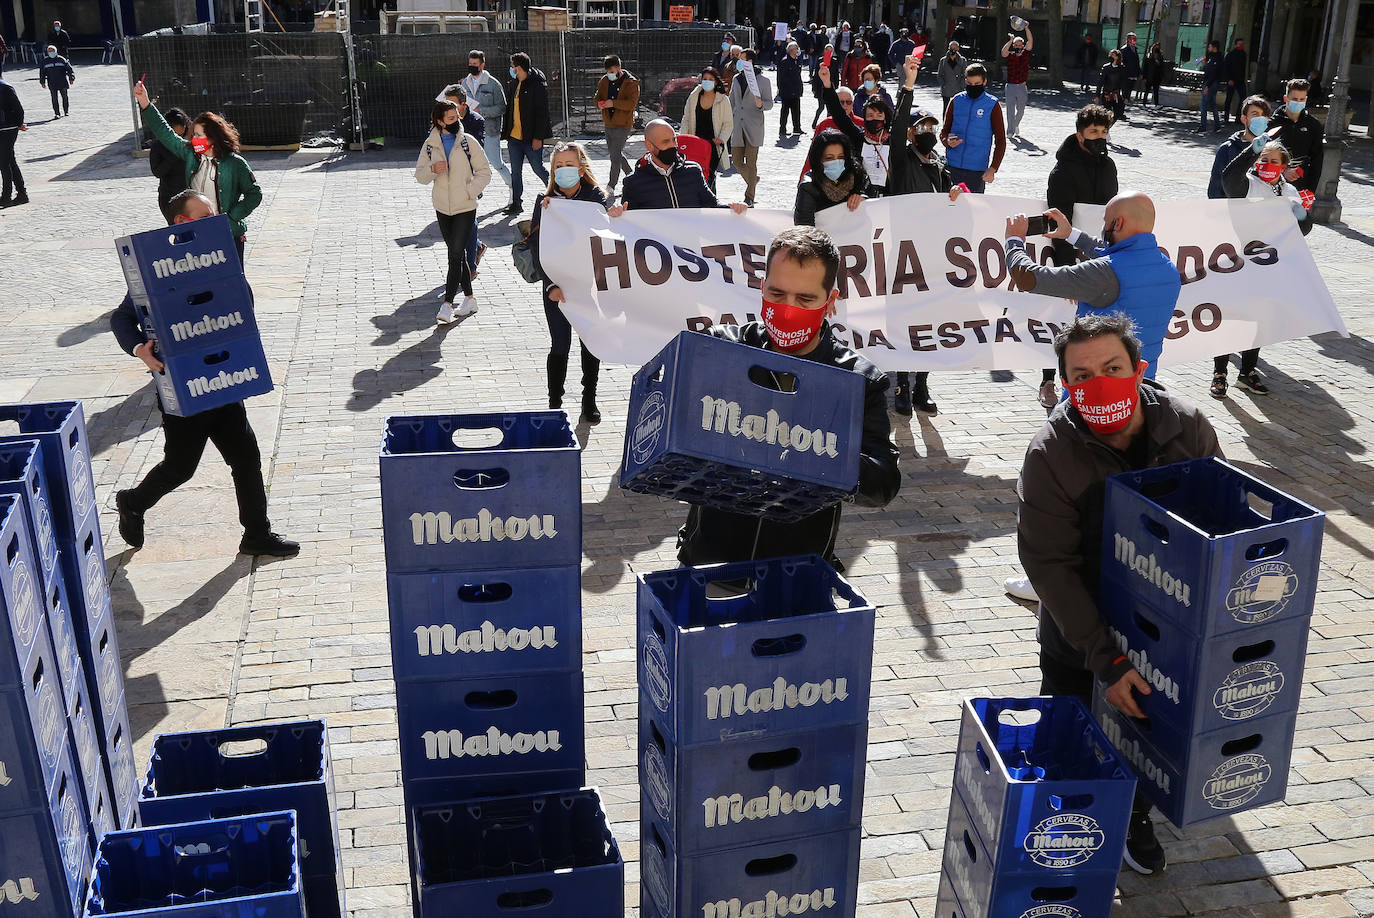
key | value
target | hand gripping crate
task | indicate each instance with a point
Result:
(165, 262)
(240, 867)
(515, 502)
(1213, 549)
(238, 771)
(61, 428)
(1221, 773)
(546, 853)
(780, 644)
(1040, 779)
(21, 473)
(726, 425)
(485, 622)
(1198, 686)
(45, 854)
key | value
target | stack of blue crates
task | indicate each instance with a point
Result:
(94, 689)
(753, 732)
(1038, 814)
(188, 287)
(483, 552)
(256, 769)
(1209, 577)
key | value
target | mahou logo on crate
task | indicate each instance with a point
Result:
(435, 526)
(773, 904)
(1135, 753)
(728, 700)
(164, 268)
(444, 744)
(1237, 781)
(730, 809)
(727, 418)
(1248, 691)
(206, 325)
(1064, 841)
(1152, 674)
(16, 891)
(25, 610)
(1149, 569)
(436, 640)
(1262, 592)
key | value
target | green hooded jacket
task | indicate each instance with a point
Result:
(236, 188)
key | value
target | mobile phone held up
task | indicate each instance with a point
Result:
(1040, 224)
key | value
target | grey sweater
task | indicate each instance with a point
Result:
(1091, 280)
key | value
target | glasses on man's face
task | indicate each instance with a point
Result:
(925, 129)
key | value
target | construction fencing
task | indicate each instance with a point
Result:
(284, 89)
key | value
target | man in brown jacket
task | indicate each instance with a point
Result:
(617, 95)
(1114, 420)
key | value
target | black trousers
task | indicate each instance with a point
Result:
(228, 429)
(1248, 361)
(792, 107)
(9, 166)
(560, 345)
(55, 91)
(455, 228)
(1235, 96)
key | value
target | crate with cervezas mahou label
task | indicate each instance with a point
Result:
(722, 424)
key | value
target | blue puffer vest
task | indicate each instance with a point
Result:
(1149, 292)
(972, 122)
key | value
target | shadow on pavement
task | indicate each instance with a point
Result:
(407, 369)
(131, 418)
(79, 334)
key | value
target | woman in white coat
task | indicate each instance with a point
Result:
(708, 116)
(455, 165)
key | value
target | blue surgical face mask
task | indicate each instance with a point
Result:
(869, 85)
(739, 64)
(513, 74)
(567, 176)
(1295, 108)
(834, 169)
(1258, 125)
(613, 75)
(708, 85)
(725, 46)
(52, 54)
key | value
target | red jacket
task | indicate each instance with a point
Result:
(852, 75)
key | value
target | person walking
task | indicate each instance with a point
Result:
(973, 135)
(573, 180)
(475, 126)
(1211, 82)
(55, 72)
(1155, 69)
(880, 45)
(1130, 61)
(214, 167)
(166, 165)
(526, 125)
(1017, 53)
(871, 87)
(617, 96)
(12, 192)
(900, 49)
(666, 179)
(708, 115)
(1112, 85)
(747, 134)
(452, 161)
(790, 89)
(724, 63)
(851, 73)
(1086, 60)
(1235, 69)
(60, 38)
(950, 72)
(837, 176)
(487, 97)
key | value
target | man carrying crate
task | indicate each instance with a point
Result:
(1114, 420)
(799, 295)
(226, 427)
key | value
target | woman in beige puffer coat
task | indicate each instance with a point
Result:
(452, 162)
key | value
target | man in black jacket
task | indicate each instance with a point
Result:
(11, 123)
(185, 438)
(60, 38)
(526, 125)
(790, 89)
(1302, 135)
(1087, 62)
(169, 168)
(1236, 71)
(666, 179)
(56, 73)
(802, 265)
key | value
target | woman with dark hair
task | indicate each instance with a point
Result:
(166, 165)
(214, 167)
(455, 164)
(708, 115)
(837, 176)
(871, 141)
(1155, 70)
(1112, 85)
(870, 86)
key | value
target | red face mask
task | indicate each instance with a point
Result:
(791, 327)
(1269, 172)
(201, 145)
(1107, 403)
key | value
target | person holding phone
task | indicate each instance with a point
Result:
(973, 134)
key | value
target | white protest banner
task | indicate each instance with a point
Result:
(923, 281)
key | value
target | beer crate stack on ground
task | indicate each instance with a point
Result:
(256, 769)
(1209, 578)
(188, 288)
(482, 522)
(753, 730)
(59, 428)
(45, 828)
(725, 425)
(234, 867)
(1038, 812)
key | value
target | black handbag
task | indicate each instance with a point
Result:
(523, 257)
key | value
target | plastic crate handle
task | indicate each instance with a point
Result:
(775, 760)
(498, 700)
(781, 383)
(480, 479)
(524, 900)
(782, 646)
(770, 866)
(1054, 893)
(215, 357)
(1252, 652)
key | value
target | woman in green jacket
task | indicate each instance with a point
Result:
(213, 164)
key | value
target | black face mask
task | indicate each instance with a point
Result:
(875, 127)
(667, 157)
(1108, 234)
(1097, 146)
(925, 143)
(974, 91)
(474, 69)
(953, 55)
(454, 128)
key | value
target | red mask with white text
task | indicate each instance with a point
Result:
(201, 145)
(1269, 172)
(791, 327)
(1107, 403)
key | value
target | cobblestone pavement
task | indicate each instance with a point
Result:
(346, 262)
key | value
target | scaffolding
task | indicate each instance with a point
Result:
(603, 14)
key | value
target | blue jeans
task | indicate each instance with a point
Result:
(522, 152)
(974, 180)
(491, 145)
(1085, 77)
(1209, 103)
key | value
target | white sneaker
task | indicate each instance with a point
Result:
(468, 308)
(1021, 588)
(445, 316)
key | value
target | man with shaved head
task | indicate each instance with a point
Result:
(1123, 272)
(667, 179)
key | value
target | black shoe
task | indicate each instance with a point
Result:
(270, 544)
(1251, 382)
(923, 404)
(590, 411)
(130, 521)
(514, 207)
(901, 401)
(1218, 388)
(21, 198)
(1143, 851)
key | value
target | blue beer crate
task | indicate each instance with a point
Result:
(119, 763)
(102, 813)
(726, 425)
(82, 560)
(205, 313)
(211, 376)
(485, 622)
(66, 649)
(1033, 770)
(105, 673)
(61, 428)
(751, 789)
(436, 791)
(21, 473)
(21, 592)
(45, 854)
(33, 737)
(481, 491)
(239, 867)
(1214, 549)
(170, 259)
(547, 853)
(1200, 686)
(1068, 870)
(1222, 772)
(89, 754)
(817, 873)
(482, 727)
(779, 644)
(238, 771)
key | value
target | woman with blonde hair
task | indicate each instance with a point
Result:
(571, 179)
(454, 163)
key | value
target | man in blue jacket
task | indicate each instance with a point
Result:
(226, 427)
(56, 73)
